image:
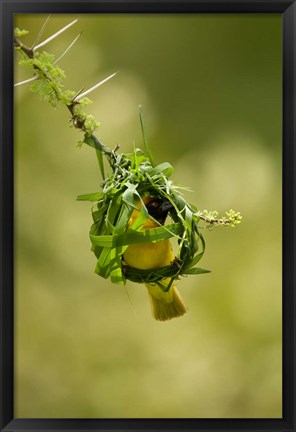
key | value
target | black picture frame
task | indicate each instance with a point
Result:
(7, 10)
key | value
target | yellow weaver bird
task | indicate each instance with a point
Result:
(145, 256)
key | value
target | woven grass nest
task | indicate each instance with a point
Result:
(135, 176)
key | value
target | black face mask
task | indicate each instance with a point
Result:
(159, 209)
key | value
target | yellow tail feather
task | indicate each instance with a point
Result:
(165, 305)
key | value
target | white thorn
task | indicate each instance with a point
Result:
(26, 81)
(81, 95)
(66, 50)
(54, 35)
(41, 31)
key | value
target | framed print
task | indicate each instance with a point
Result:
(147, 215)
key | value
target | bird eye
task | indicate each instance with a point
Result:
(155, 204)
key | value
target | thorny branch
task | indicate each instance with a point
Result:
(211, 218)
(78, 122)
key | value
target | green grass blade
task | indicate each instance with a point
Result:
(96, 196)
(133, 237)
(166, 168)
(146, 145)
(195, 270)
(95, 143)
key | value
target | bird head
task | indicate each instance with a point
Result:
(158, 208)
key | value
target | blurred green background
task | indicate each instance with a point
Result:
(210, 87)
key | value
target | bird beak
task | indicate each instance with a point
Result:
(166, 206)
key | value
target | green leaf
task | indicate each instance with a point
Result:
(123, 218)
(146, 145)
(130, 193)
(95, 143)
(19, 33)
(46, 57)
(90, 197)
(113, 209)
(132, 237)
(99, 210)
(102, 267)
(140, 219)
(116, 274)
(195, 260)
(166, 168)
(195, 270)
(164, 286)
